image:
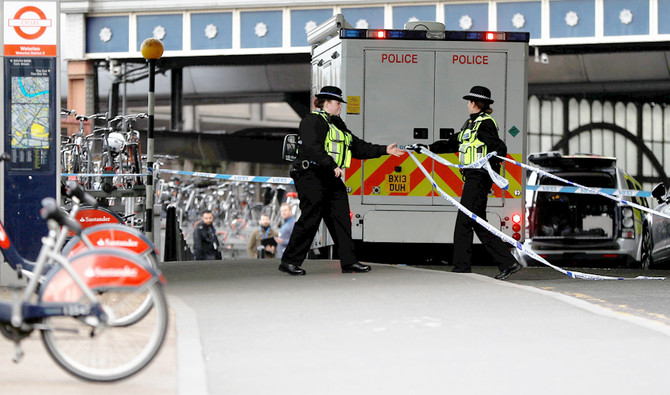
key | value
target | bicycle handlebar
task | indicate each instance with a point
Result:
(74, 189)
(50, 210)
(94, 116)
(131, 117)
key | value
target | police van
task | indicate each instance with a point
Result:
(406, 86)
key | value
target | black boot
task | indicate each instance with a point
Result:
(291, 269)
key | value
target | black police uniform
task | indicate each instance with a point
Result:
(322, 195)
(205, 242)
(476, 189)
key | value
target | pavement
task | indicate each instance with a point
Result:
(242, 327)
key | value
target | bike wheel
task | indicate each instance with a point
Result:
(111, 352)
(133, 308)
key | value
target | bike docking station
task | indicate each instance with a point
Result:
(121, 182)
(30, 102)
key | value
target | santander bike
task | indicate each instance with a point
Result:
(77, 304)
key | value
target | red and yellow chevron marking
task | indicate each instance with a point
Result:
(376, 173)
(513, 174)
(450, 180)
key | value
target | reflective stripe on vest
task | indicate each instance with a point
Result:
(337, 143)
(471, 148)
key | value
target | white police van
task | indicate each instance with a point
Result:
(406, 86)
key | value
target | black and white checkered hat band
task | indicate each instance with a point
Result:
(479, 96)
(330, 94)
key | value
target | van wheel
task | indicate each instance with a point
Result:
(645, 259)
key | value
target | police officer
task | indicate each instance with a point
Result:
(478, 137)
(326, 148)
(205, 241)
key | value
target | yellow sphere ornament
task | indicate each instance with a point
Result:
(152, 48)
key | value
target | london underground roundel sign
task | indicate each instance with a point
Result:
(30, 28)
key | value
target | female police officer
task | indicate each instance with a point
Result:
(327, 148)
(478, 136)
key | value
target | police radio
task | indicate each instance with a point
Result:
(290, 148)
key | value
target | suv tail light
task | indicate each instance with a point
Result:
(627, 223)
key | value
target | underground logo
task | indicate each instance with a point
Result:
(41, 23)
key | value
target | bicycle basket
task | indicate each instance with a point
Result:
(290, 148)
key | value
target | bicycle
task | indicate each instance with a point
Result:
(76, 153)
(111, 235)
(74, 304)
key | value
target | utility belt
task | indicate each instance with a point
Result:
(300, 166)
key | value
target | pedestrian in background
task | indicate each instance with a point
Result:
(205, 241)
(261, 241)
(478, 137)
(326, 148)
(286, 229)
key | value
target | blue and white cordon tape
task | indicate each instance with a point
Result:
(103, 175)
(578, 190)
(587, 190)
(506, 238)
(232, 177)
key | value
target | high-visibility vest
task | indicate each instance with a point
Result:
(337, 143)
(471, 148)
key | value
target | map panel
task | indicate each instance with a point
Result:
(30, 117)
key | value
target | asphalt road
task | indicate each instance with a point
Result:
(644, 298)
(400, 330)
(242, 327)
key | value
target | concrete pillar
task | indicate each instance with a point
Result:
(80, 91)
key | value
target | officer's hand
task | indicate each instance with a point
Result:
(416, 147)
(339, 172)
(391, 149)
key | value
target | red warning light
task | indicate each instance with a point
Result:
(495, 36)
(516, 218)
(381, 34)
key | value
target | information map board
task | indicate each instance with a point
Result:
(30, 117)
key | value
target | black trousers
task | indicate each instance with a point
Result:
(322, 196)
(475, 195)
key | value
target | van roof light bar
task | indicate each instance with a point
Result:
(449, 35)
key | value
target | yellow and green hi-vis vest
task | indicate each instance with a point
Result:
(471, 148)
(337, 143)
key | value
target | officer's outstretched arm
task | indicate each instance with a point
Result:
(391, 149)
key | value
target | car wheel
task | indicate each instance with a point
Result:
(646, 261)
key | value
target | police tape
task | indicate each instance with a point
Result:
(585, 189)
(231, 177)
(499, 180)
(518, 245)
(578, 190)
(103, 175)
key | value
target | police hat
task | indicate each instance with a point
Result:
(331, 93)
(479, 93)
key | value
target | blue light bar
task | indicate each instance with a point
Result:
(449, 35)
